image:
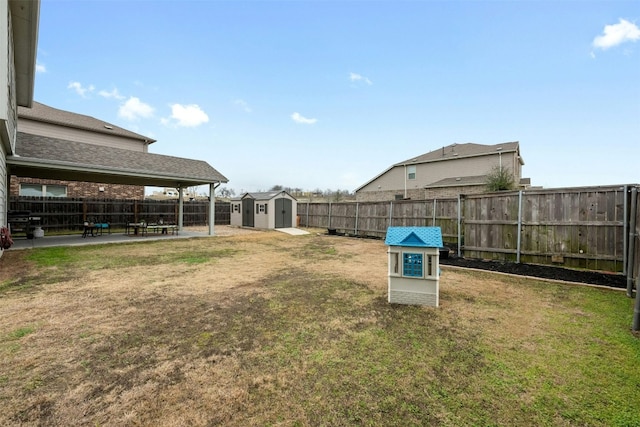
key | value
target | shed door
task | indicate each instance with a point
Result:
(247, 213)
(283, 213)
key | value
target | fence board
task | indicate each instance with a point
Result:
(579, 227)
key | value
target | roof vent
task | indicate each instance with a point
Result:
(108, 127)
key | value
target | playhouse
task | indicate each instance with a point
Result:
(414, 265)
(273, 209)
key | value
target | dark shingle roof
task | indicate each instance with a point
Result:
(119, 165)
(461, 150)
(43, 113)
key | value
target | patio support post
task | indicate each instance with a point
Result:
(212, 208)
(180, 208)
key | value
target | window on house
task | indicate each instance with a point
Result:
(411, 264)
(263, 208)
(411, 172)
(41, 190)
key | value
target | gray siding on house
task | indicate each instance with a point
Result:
(80, 135)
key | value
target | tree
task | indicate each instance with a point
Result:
(500, 179)
(226, 192)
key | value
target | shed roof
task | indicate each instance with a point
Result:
(423, 237)
(46, 114)
(51, 158)
(264, 195)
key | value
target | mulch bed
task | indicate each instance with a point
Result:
(542, 271)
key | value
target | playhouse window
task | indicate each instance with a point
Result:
(411, 264)
(430, 267)
(394, 263)
(263, 208)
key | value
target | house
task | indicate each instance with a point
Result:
(414, 265)
(18, 43)
(46, 121)
(444, 173)
(67, 156)
(269, 210)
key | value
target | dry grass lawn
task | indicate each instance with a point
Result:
(262, 328)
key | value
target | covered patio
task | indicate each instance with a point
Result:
(53, 158)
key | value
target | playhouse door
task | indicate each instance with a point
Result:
(284, 212)
(247, 212)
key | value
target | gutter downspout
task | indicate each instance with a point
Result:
(405, 181)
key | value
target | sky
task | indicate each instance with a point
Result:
(324, 95)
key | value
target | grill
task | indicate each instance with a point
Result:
(20, 222)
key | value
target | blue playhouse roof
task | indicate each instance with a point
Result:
(421, 237)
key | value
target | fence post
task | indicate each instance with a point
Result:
(519, 226)
(636, 308)
(459, 225)
(390, 214)
(356, 224)
(625, 243)
(308, 206)
(434, 212)
(329, 215)
(631, 241)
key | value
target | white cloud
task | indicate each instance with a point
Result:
(134, 109)
(81, 90)
(40, 68)
(111, 94)
(355, 77)
(616, 34)
(186, 116)
(242, 104)
(298, 118)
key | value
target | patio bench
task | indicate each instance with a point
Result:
(163, 228)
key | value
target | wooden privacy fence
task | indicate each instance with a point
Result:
(577, 227)
(62, 214)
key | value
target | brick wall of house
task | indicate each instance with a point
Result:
(78, 189)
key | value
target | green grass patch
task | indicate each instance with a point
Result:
(21, 332)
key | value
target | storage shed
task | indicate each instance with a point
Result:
(414, 265)
(273, 209)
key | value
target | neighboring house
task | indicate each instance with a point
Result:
(51, 122)
(18, 46)
(444, 173)
(273, 209)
